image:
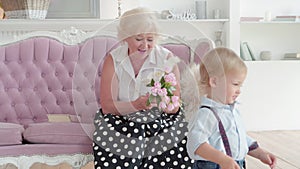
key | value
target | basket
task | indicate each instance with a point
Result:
(25, 9)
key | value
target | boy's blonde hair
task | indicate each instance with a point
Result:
(137, 21)
(219, 62)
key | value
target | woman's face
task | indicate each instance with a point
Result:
(140, 45)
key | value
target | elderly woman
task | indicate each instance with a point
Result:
(131, 130)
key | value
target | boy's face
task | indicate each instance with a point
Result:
(234, 83)
(228, 88)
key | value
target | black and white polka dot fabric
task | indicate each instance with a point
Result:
(141, 140)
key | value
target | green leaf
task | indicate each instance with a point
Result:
(149, 100)
(152, 82)
(162, 80)
(158, 100)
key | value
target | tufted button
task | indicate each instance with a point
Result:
(13, 104)
(57, 102)
(19, 61)
(42, 102)
(34, 118)
(43, 74)
(71, 74)
(49, 89)
(71, 103)
(48, 60)
(86, 102)
(26, 103)
(64, 89)
(6, 89)
(27, 74)
(99, 74)
(35, 89)
(56, 73)
(78, 88)
(92, 87)
(19, 89)
(62, 61)
(5, 119)
(85, 74)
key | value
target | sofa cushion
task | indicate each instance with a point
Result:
(10, 133)
(59, 133)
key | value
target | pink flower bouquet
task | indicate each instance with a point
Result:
(161, 92)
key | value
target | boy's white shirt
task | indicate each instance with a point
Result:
(203, 127)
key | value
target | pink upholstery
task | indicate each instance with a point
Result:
(182, 51)
(202, 48)
(37, 78)
(41, 76)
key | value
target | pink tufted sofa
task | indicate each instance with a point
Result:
(49, 93)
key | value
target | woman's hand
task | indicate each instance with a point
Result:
(141, 103)
(173, 111)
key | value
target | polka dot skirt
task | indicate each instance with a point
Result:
(147, 139)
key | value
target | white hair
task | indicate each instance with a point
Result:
(137, 21)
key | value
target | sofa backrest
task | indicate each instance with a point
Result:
(38, 74)
(41, 76)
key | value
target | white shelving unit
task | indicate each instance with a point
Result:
(279, 37)
(271, 90)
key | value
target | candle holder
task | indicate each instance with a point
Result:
(218, 40)
(119, 8)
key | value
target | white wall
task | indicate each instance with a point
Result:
(108, 8)
(271, 95)
(277, 7)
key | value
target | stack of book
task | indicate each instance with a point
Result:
(291, 56)
(287, 18)
(251, 19)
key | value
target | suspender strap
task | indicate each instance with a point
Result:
(222, 131)
(253, 146)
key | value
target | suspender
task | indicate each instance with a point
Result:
(222, 131)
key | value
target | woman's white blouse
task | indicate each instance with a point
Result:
(131, 87)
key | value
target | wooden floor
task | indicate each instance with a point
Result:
(284, 144)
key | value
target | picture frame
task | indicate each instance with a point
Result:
(76, 9)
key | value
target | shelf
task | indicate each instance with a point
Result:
(52, 24)
(271, 22)
(196, 20)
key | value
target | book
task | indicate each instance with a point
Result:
(287, 18)
(247, 47)
(292, 56)
(251, 19)
(244, 52)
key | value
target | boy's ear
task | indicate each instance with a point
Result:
(213, 81)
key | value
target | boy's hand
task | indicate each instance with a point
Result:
(229, 163)
(269, 159)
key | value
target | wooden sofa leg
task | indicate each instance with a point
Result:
(8, 166)
(45, 166)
